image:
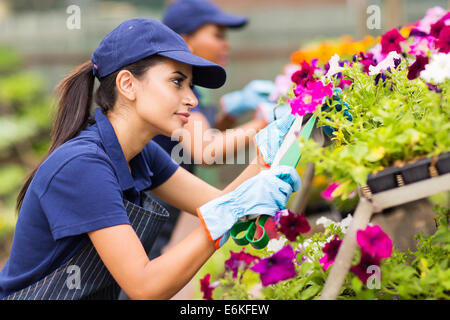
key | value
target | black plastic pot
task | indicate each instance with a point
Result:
(410, 173)
(383, 180)
(443, 163)
(416, 171)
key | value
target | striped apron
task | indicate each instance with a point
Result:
(84, 276)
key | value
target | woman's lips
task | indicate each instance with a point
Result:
(183, 116)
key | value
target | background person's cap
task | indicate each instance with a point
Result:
(138, 38)
(186, 16)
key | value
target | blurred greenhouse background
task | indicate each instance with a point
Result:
(37, 49)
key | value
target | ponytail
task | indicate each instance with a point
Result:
(74, 95)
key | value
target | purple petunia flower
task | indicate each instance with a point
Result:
(416, 68)
(277, 267)
(390, 41)
(327, 194)
(374, 241)
(292, 224)
(330, 249)
(239, 260)
(361, 269)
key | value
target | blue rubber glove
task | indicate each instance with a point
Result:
(263, 194)
(236, 103)
(269, 139)
(341, 105)
(269, 111)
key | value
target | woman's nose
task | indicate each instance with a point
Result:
(191, 101)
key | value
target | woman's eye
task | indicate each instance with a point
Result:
(178, 82)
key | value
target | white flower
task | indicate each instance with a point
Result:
(438, 69)
(345, 223)
(325, 221)
(388, 62)
(334, 66)
(275, 245)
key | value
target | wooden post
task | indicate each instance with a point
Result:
(343, 261)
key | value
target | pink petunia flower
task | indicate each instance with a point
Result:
(330, 250)
(375, 242)
(390, 41)
(310, 97)
(283, 82)
(208, 288)
(239, 260)
(277, 267)
(443, 43)
(421, 46)
(292, 224)
(327, 194)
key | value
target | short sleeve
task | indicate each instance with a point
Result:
(83, 196)
(159, 162)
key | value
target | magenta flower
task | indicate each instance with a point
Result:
(390, 41)
(239, 260)
(310, 97)
(304, 75)
(417, 67)
(437, 27)
(375, 242)
(443, 43)
(208, 288)
(292, 224)
(277, 267)
(330, 249)
(367, 60)
(327, 194)
(361, 269)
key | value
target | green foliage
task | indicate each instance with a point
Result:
(396, 122)
(420, 274)
(25, 120)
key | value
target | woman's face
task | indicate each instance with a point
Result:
(210, 42)
(164, 96)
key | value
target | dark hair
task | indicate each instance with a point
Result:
(75, 93)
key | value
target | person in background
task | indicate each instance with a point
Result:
(204, 27)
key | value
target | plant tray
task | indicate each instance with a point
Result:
(395, 176)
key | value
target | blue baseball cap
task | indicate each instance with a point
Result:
(138, 38)
(186, 16)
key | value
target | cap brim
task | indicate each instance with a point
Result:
(204, 73)
(229, 20)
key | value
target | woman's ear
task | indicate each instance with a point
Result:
(125, 84)
(187, 38)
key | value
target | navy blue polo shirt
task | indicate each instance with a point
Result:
(79, 188)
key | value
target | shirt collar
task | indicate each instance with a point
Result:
(141, 178)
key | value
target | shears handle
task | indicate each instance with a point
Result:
(250, 227)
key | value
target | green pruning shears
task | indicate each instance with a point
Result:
(243, 232)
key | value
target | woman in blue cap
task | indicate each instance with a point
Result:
(85, 222)
(204, 29)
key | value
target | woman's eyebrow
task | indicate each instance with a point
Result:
(181, 74)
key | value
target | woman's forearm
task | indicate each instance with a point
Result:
(170, 272)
